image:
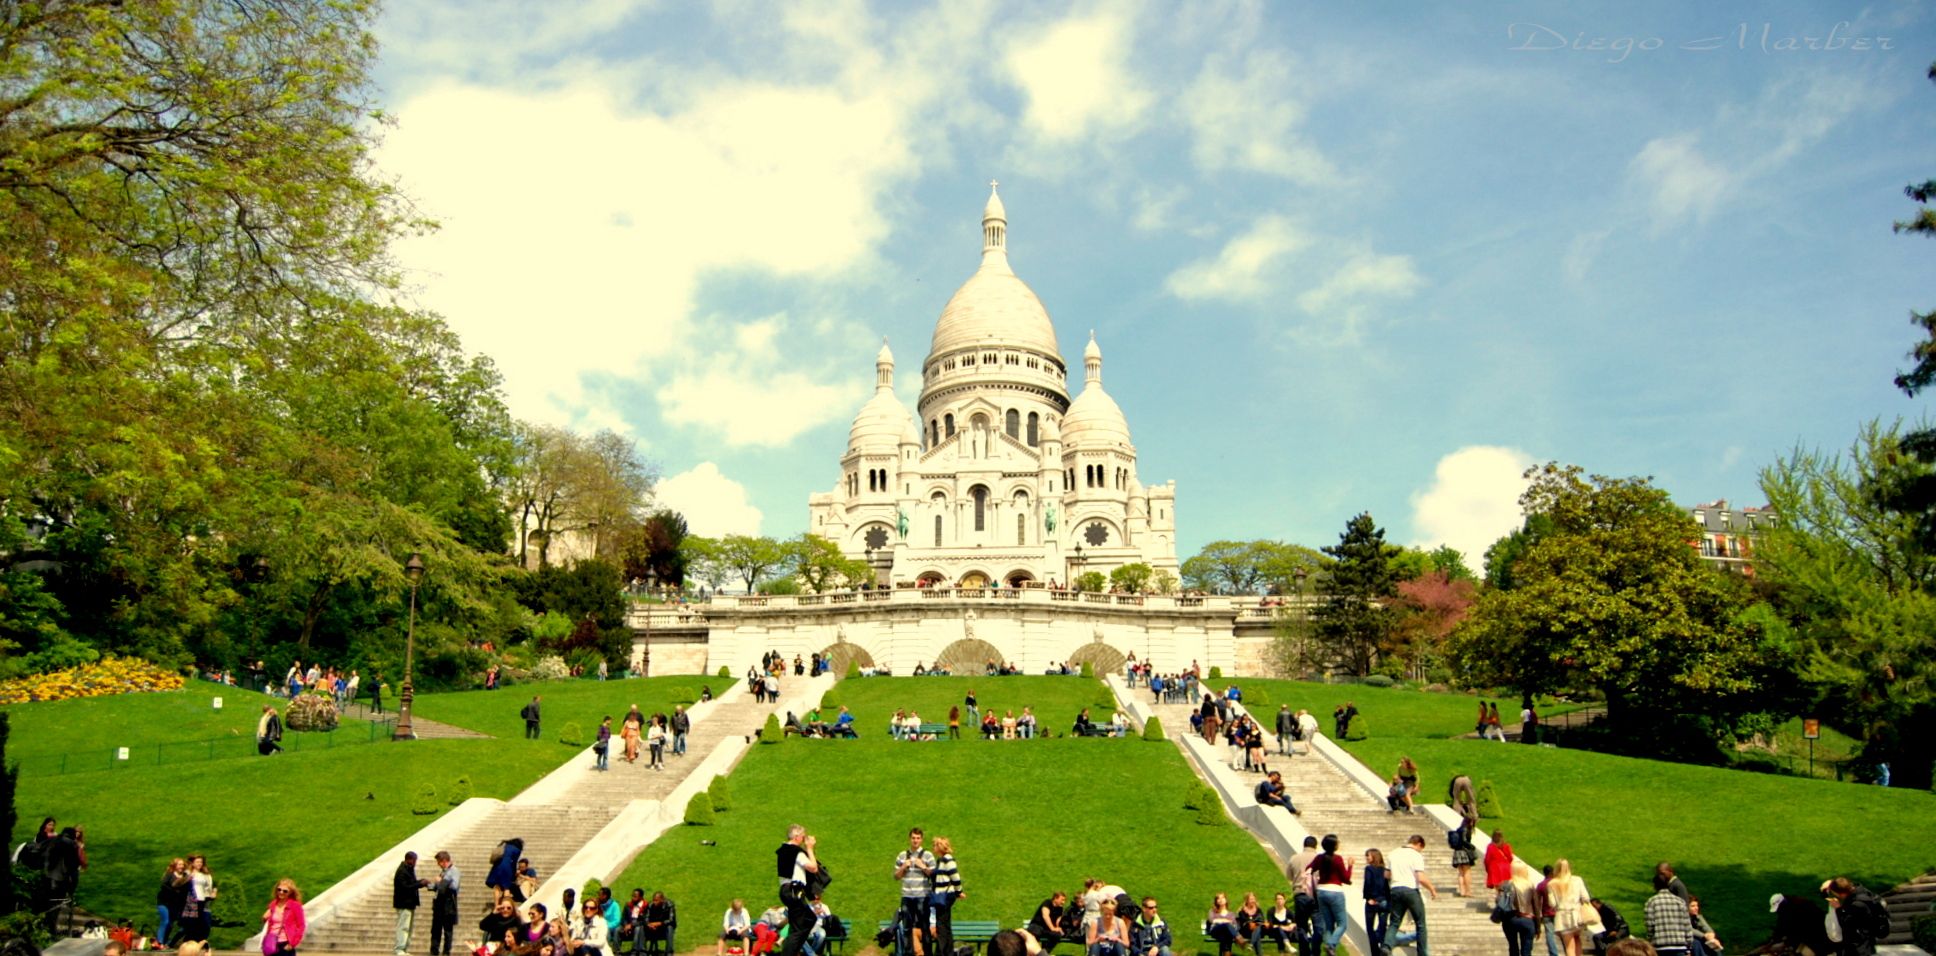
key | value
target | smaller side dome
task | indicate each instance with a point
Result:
(883, 420)
(1094, 419)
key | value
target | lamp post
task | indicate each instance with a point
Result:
(645, 656)
(1077, 561)
(414, 570)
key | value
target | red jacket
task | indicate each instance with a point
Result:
(1499, 857)
(293, 924)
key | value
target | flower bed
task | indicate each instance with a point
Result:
(109, 675)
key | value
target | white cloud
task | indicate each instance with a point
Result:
(1363, 276)
(1247, 119)
(1076, 77)
(1243, 269)
(1680, 181)
(576, 231)
(1472, 502)
(712, 504)
(496, 35)
(745, 396)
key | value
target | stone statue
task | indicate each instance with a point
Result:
(840, 633)
(1048, 519)
(1096, 634)
(968, 625)
(900, 521)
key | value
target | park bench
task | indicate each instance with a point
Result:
(937, 731)
(974, 932)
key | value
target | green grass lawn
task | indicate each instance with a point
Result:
(1056, 700)
(1735, 837)
(565, 702)
(1386, 711)
(1026, 818)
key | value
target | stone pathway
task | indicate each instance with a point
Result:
(424, 729)
(1331, 802)
(556, 818)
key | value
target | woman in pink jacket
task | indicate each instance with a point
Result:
(282, 922)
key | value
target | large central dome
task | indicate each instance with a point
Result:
(994, 307)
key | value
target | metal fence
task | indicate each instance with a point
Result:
(350, 733)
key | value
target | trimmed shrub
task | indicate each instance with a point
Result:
(1489, 806)
(459, 792)
(853, 669)
(1088, 672)
(573, 735)
(1378, 680)
(550, 668)
(1922, 930)
(425, 804)
(231, 906)
(683, 697)
(1209, 807)
(1216, 673)
(1357, 729)
(699, 810)
(310, 713)
(1153, 729)
(590, 891)
(725, 673)
(772, 733)
(721, 794)
(1199, 795)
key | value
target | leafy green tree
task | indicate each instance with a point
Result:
(751, 557)
(704, 560)
(654, 550)
(1505, 552)
(1355, 620)
(1413, 563)
(1915, 494)
(1163, 583)
(1246, 567)
(590, 594)
(1132, 578)
(1856, 586)
(1612, 599)
(820, 565)
(1092, 581)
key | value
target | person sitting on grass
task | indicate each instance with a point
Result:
(661, 919)
(1109, 936)
(1220, 924)
(1045, 924)
(1148, 934)
(1280, 922)
(991, 728)
(1271, 792)
(1084, 727)
(735, 927)
(844, 725)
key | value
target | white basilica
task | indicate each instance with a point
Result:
(1002, 479)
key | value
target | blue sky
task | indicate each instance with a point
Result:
(1338, 257)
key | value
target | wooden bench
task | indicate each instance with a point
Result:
(974, 932)
(937, 731)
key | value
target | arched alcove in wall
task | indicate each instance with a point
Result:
(1101, 658)
(968, 656)
(843, 653)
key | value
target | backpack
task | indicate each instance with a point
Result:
(32, 855)
(817, 881)
(1455, 838)
(1503, 906)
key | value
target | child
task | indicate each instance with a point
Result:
(1399, 796)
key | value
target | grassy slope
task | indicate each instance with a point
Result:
(1056, 700)
(1026, 818)
(1735, 837)
(581, 702)
(1387, 711)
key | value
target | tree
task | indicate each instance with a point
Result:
(751, 557)
(1413, 563)
(205, 364)
(1132, 578)
(704, 560)
(1507, 551)
(567, 483)
(1430, 608)
(820, 565)
(1613, 599)
(1245, 567)
(1855, 585)
(9, 782)
(1355, 620)
(1091, 581)
(1915, 495)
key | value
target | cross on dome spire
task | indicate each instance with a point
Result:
(994, 230)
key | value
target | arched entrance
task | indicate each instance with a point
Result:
(968, 656)
(930, 579)
(1020, 578)
(974, 579)
(1101, 658)
(841, 654)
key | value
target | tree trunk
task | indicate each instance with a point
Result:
(311, 614)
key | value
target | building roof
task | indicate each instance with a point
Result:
(994, 307)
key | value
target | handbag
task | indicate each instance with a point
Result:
(1503, 905)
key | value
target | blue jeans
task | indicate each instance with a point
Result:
(679, 743)
(1333, 917)
(604, 755)
(913, 918)
(1377, 918)
(1553, 947)
(162, 916)
(1405, 899)
(1519, 936)
(1107, 947)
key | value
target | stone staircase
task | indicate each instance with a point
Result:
(1908, 901)
(1331, 802)
(557, 817)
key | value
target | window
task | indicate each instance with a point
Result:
(1013, 424)
(981, 507)
(967, 360)
(937, 531)
(988, 358)
(948, 424)
(934, 432)
(1021, 529)
(1034, 430)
